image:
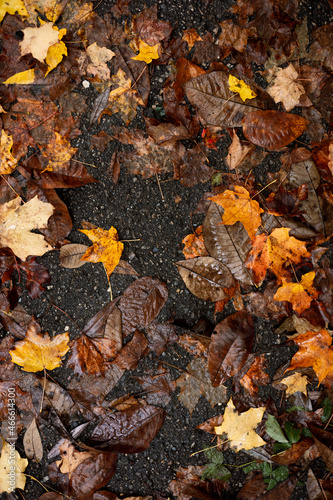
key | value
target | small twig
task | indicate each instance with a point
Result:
(275, 180)
(42, 485)
(201, 151)
(159, 186)
(45, 119)
(107, 276)
(328, 422)
(210, 448)
(68, 316)
(126, 241)
(11, 187)
(84, 163)
(144, 69)
(44, 385)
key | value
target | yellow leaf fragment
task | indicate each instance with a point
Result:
(99, 57)
(12, 6)
(295, 383)
(106, 247)
(37, 352)
(55, 56)
(147, 53)
(240, 87)
(16, 222)
(240, 427)
(59, 152)
(299, 294)
(22, 78)
(51, 9)
(10, 461)
(7, 160)
(238, 206)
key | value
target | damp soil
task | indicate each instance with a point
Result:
(136, 208)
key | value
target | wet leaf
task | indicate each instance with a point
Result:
(158, 387)
(230, 346)
(299, 294)
(32, 442)
(20, 464)
(146, 52)
(8, 162)
(194, 244)
(128, 431)
(160, 336)
(324, 442)
(273, 129)
(240, 87)
(71, 254)
(207, 278)
(36, 353)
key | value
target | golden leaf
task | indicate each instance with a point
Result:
(12, 6)
(299, 294)
(59, 152)
(295, 383)
(106, 248)
(240, 87)
(7, 160)
(22, 78)
(6, 470)
(240, 427)
(37, 352)
(147, 53)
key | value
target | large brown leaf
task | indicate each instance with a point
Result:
(229, 244)
(273, 129)
(207, 278)
(218, 105)
(230, 346)
(128, 431)
(141, 303)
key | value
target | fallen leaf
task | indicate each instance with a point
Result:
(194, 244)
(238, 206)
(237, 152)
(324, 442)
(32, 442)
(7, 161)
(17, 220)
(230, 346)
(59, 153)
(158, 387)
(196, 383)
(275, 252)
(147, 53)
(296, 382)
(19, 465)
(314, 351)
(99, 57)
(240, 428)
(255, 376)
(159, 336)
(11, 7)
(36, 352)
(37, 41)
(106, 248)
(191, 36)
(70, 255)
(240, 87)
(299, 294)
(22, 78)
(273, 129)
(287, 89)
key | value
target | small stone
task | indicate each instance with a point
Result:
(86, 84)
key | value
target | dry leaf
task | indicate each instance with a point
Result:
(237, 152)
(37, 352)
(106, 248)
(296, 382)
(32, 442)
(17, 220)
(299, 294)
(20, 464)
(37, 41)
(23, 77)
(71, 254)
(99, 57)
(238, 206)
(240, 427)
(287, 89)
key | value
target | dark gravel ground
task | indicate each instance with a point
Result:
(134, 206)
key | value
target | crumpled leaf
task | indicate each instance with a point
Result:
(240, 427)
(147, 53)
(194, 244)
(20, 464)
(106, 248)
(314, 351)
(274, 252)
(7, 161)
(158, 387)
(238, 206)
(230, 346)
(207, 278)
(99, 57)
(240, 87)
(37, 352)
(238, 152)
(299, 294)
(17, 220)
(197, 383)
(287, 89)
(273, 129)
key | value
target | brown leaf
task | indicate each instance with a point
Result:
(160, 336)
(32, 442)
(186, 70)
(324, 442)
(190, 166)
(273, 129)
(128, 431)
(149, 28)
(207, 278)
(124, 267)
(71, 254)
(133, 351)
(158, 387)
(141, 303)
(230, 346)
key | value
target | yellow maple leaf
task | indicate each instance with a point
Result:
(37, 41)
(147, 53)
(59, 152)
(299, 294)
(7, 160)
(22, 78)
(10, 461)
(240, 427)
(240, 87)
(55, 54)
(106, 248)
(37, 352)
(238, 206)
(12, 6)
(295, 383)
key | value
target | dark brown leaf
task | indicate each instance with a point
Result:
(273, 129)
(230, 346)
(160, 336)
(324, 442)
(158, 387)
(133, 351)
(128, 431)
(99, 105)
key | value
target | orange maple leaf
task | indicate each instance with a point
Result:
(106, 248)
(274, 252)
(314, 350)
(299, 294)
(194, 245)
(238, 206)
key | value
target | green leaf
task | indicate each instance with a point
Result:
(266, 469)
(216, 179)
(271, 483)
(281, 473)
(279, 447)
(251, 467)
(306, 432)
(326, 404)
(296, 408)
(292, 433)
(274, 430)
(213, 471)
(214, 456)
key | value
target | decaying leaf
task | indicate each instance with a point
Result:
(17, 220)
(32, 442)
(287, 89)
(20, 464)
(299, 294)
(106, 248)
(240, 428)
(194, 245)
(296, 382)
(36, 352)
(99, 57)
(237, 152)
(7, 160)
